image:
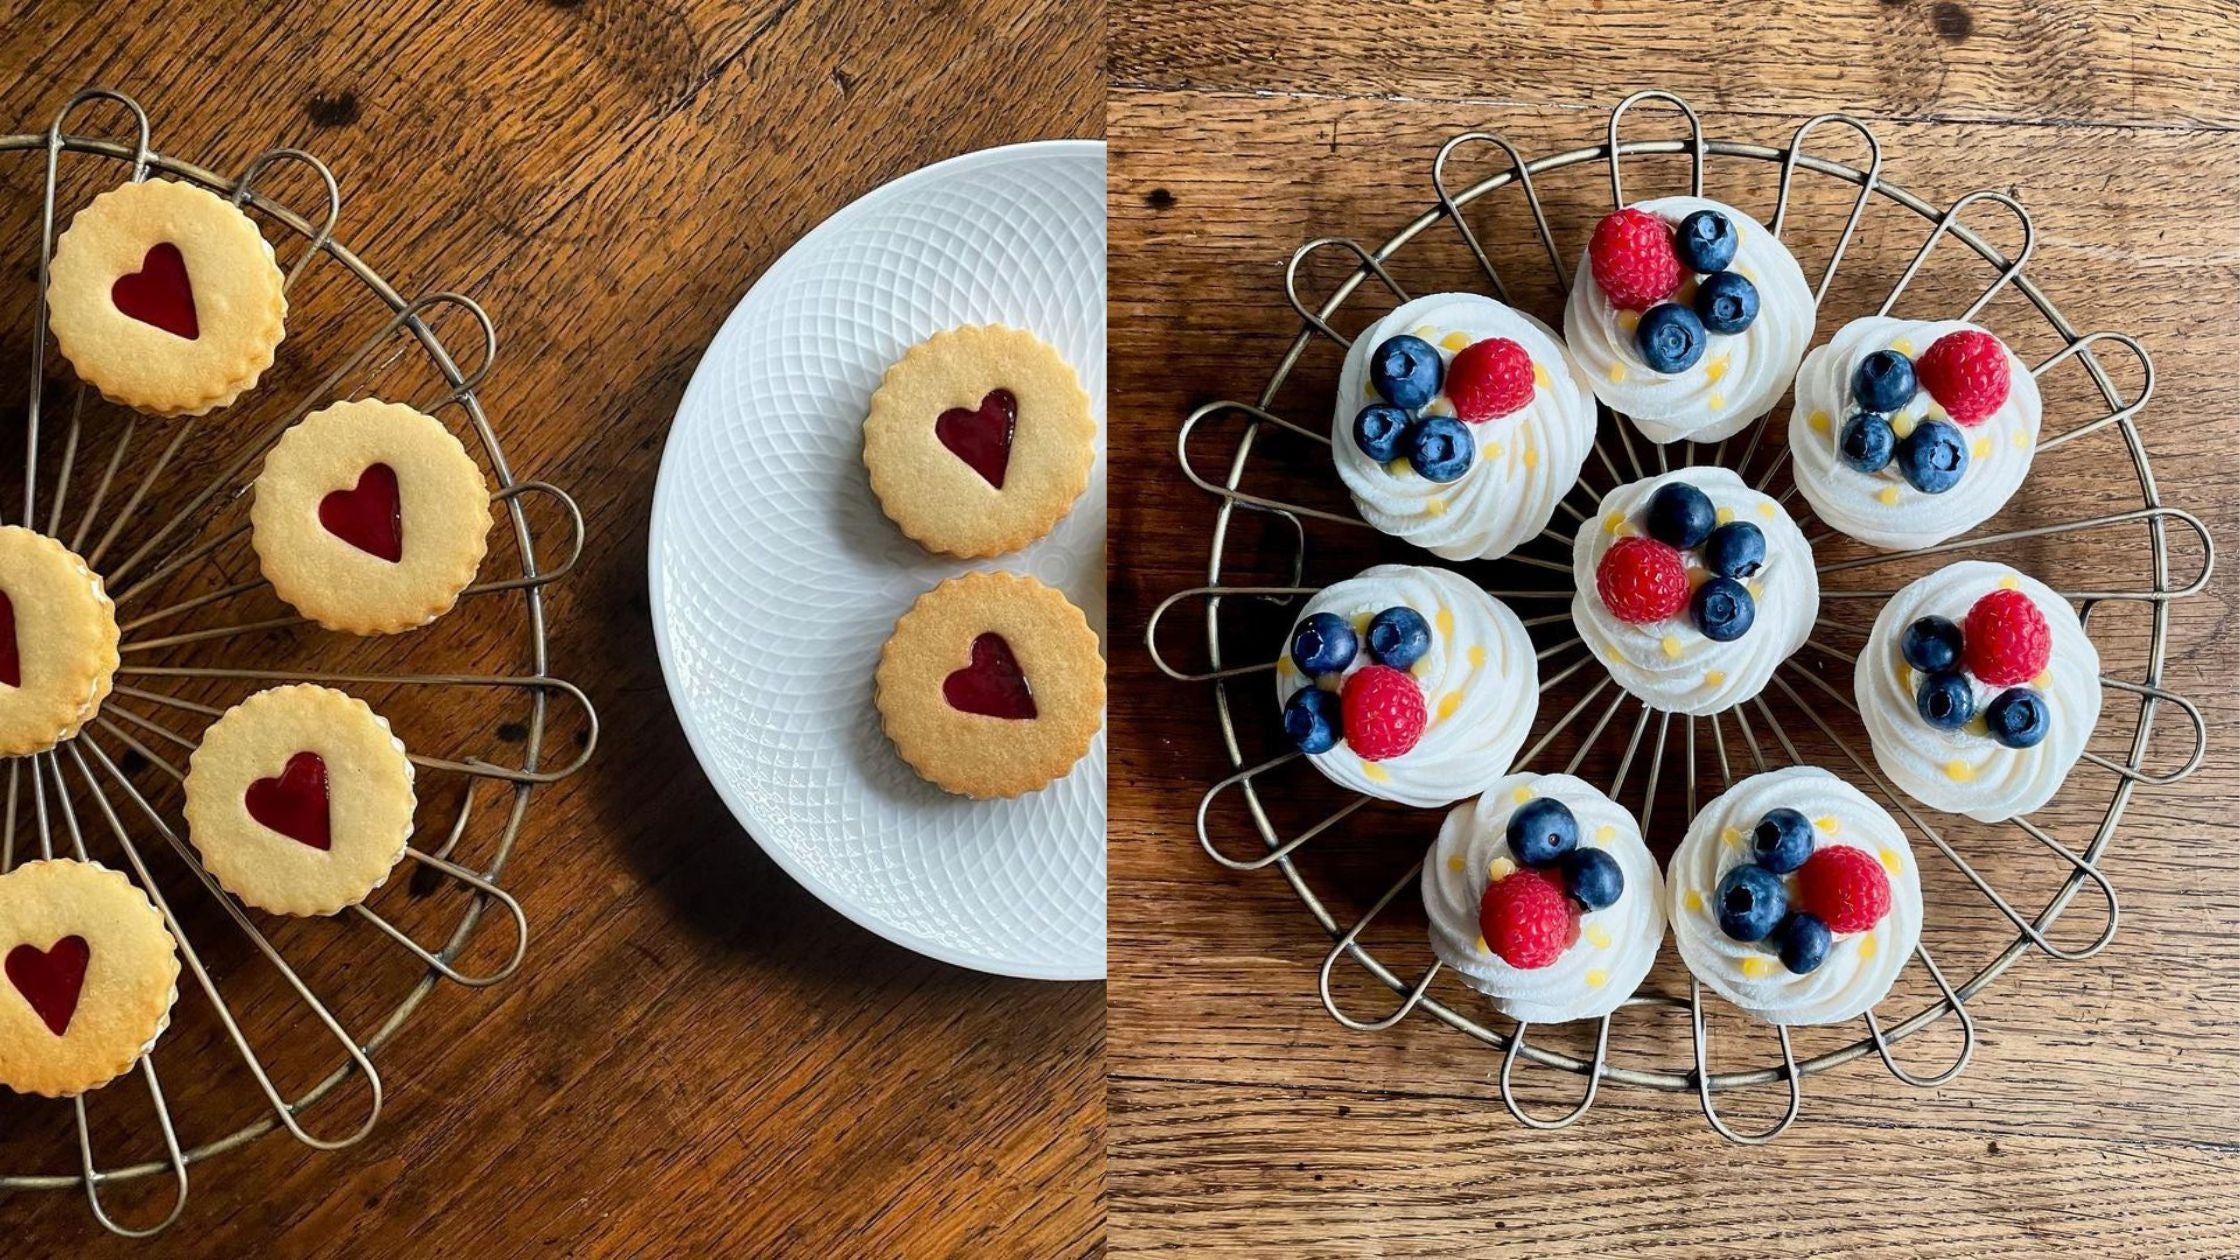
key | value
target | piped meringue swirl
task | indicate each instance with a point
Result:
(1860, 966)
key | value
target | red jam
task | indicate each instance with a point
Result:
(295, 804)
(11, 660)
(51, 979)
(992, 685)
(369, 517)
(982, 438)
(159, 293)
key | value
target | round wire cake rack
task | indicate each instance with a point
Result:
(157, 508)
(1243, 621)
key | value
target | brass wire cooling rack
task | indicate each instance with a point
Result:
(1542, 585)
(78, 797)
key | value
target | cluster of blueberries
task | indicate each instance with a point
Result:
(1754, 903)
(1672, 337)
(1930, 458)
(2017, 717)
(1326, 644)
(1544, 834)
(1681, 516)
(1406, 372)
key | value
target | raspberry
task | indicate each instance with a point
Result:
(1383, 712)
(1845, 887)
(1633, 260)
(1642, 580)
(2006, 639)
(1526, 918)
(1489, 379)
(1966, 372)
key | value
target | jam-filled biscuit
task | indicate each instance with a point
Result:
(979, 440)
(991, 685)
(88, 974)
(58, 642)
(300, 800)
(166, 297)
(370, 517)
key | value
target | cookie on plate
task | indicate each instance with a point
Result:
(991, 685)
(58, 642)
(166, 298)
(979, 440)
(91, 972)
(370, 517)
(299, 800)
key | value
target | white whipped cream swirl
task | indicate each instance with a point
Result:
(1670, 664)
(1740, 376)
(1879, 508)
(1616, 945)
(1966, 771)
(1860, 966)
(1526, 461)
(1480, 680)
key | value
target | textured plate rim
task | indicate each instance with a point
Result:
(839, 221)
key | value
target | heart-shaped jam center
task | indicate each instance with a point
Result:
(982, 438)
(369, 516)
(295, 804)
(159, 293)
(992, 685)
(11, 660)
(51, 979)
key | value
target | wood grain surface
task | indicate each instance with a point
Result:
(2100, 1115)
(698, 1059)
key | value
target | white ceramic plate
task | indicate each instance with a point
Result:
(775, 578)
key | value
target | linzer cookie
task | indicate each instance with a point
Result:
(166, 297)
(90, 974)
(300, 800)
(979, 440)
(992, 685)
(58, 642)
(370, 517)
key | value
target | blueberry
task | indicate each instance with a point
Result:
(1723, 609)
(1670, 338)
(1405, 371)
(1883, 381)
(1804, 941)
(1398, 636)
(1736, 549)
(1751, 902)
(1931, 644)
(1781, 841)
(1593, 878)
(1705, 242)
(1440, 448)
(1867, 442)
(2018, 718)
(1681, 515)
(1945, 700)
(1380, 430)
(1323, 644)
(1542, 831)
(1312, 719)
(1933, 456)
(1727, 302)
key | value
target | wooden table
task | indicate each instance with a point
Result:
(2098, 1116)
(699, 1058)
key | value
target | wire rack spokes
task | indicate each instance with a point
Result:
(1525, 578)
(128, 531)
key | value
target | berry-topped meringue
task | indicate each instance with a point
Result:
(1795, 897)
(1692, 589)
(1408, 684)
(1688, 317)
(1978, 689)
(1460, 424)
(1542, 897)
(1906, 432)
